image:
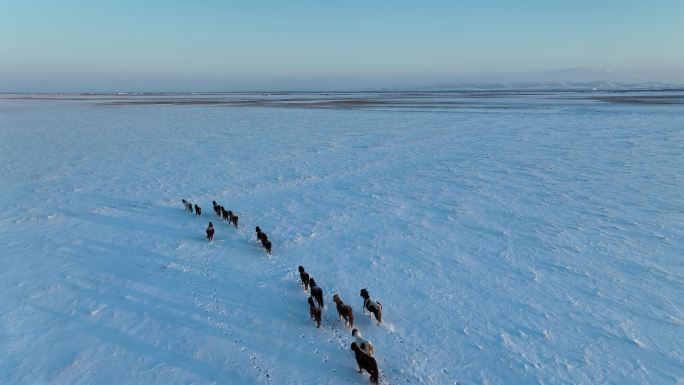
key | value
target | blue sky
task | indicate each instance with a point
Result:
(74, 45)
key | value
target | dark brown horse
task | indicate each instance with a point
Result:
(261, 236)
(304, 276)
(366, 362)
(344, 311)
(210, 232)
(314, 312)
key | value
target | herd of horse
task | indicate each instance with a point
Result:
(363, 349)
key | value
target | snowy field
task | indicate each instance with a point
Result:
(511, 238)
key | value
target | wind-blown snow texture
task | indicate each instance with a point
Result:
(537, 243)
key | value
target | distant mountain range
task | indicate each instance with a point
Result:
(571, 79)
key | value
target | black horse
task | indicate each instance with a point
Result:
(316, 292)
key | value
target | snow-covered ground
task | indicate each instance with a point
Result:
(512, 240)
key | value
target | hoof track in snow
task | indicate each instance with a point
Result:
(219, 320)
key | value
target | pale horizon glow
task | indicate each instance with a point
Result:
(77, 45)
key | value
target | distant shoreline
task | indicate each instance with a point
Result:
(499, 99)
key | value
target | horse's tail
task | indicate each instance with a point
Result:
(351, 317)
(378, 315)
(375, 373)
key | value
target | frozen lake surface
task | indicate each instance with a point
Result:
(511, 238)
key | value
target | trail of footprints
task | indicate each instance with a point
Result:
(219, 319)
